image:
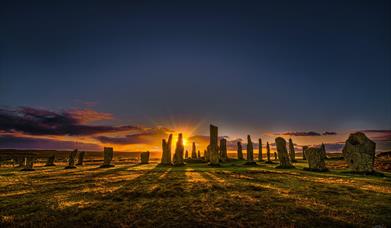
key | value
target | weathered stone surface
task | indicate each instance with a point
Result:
(304, 148)
(292, 153)
(323, 149)
(283, 156)
(240, 151)
(213, 146)
(193, 151)
(223, 150)
(315, 157)
(144, 157)
(260, 157)
(275, 156)
(179, 150)
(71, 160)
(166, 154)
(50, 160)
(359, 153)
(250, 152)
(268, 161)
(80, 159)
(186, 154)
(29, 164)
(108, 157)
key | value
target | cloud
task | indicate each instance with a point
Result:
(15, 142)
(147, 136)
(307, 133)
(329, 133)
(34, 121)
(378, 135)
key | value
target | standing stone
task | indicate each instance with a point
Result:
(260, 150)
(206, 154)
(108, 157)
(268, 154)
(275, 156)
(166, 154)
(144, 157)
(178, 155)
(283, 154)
(186, 154)
(315, 157)
(29, 164)
(292, 153)
(223, 150)
(250, 152)
(324, 149)
(304, 148)
(71, 160)
(50, 161)
(194, 151)
(80, 159)
(213, 146)
(199, 154)
(359, 153)
(240, 151)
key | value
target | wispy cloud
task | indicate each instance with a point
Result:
(307, 133)
(147, 136)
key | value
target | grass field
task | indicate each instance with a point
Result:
(193, 195)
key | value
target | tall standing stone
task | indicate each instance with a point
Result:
(186, 154)
(283, 154)
(199, 155)
(260, 158)
(315, 157)
(304, 148)
(268, 154)
(240, 151)
(144, 157)
(178, 155)
(213, 146)
(359, 153)
(166, 154)
(250, 152)
(292, 153)
(80, 159)
(108, 157)
(71, 160)
(50, 160)
(193, 151)
(223, 150)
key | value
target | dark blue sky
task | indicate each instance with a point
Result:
(247, 65)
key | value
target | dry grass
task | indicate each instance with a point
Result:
(193, 195)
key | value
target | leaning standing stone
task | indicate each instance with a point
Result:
(359, 153)
(223, 150)
(315, 157)
(250, 152)
(292, 153)
(178, 155)
(213, 147)
(260, 150)
(108, 157)
(71, 160)
(80, 159)
(283, 154)
(240, 151)
(50, 161)
(144, 157)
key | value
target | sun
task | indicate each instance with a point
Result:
(184, 141)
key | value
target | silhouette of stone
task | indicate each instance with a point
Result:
(144, 157)
(240, 151)
(80, 159)
(283, 156)
(178, 155)
(206, 154)
(50, 160)
(304, 148)
(108, 157)
(260, 158)
(275, 156)
(223, 150)
(71, 160)
(315, 158)
(29, 164)
(323, 149)
(292, 153)
(213, 146)
(194, 151)
(186, 154)
(166, 154)
(250, 152)
(199, 155)
(268, 161)
(359, 153)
